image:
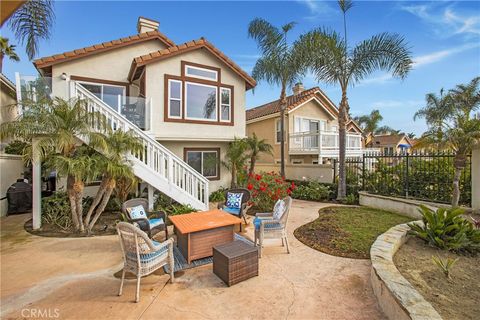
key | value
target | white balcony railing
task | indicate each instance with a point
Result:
(323, 143)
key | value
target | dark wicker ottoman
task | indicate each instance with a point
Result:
(235, 261)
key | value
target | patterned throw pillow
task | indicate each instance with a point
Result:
(137, 212)
(234, 200)
(278, 210)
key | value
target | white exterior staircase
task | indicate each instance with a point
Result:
(155, 165)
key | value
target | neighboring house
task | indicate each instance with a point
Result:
(389, 143)
(8, 100)
(311, 128)
(189, 97)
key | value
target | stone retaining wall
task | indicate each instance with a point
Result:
(397, 298)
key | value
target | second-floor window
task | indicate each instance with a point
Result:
(198, 96)
(278, 131)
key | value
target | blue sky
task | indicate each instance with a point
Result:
(444, 38)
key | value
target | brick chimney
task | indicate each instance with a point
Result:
(298, 88)
(145, 25)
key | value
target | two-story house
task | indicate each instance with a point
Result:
(389, 143)
(311, 128)
(185, 101)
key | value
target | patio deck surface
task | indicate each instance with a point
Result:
(74, 279)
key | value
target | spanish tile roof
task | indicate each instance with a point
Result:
(292, 102)
(102, 47)
(7, 82)
(387, 139)
(186, 47)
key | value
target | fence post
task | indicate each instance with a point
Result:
(363, 172)
(407, 160)
(334, 169)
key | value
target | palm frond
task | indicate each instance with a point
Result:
(385, 51)
(268, 37)
(31, 22)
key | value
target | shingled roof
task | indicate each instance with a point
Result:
(292, 102)
(388, 139)
(141, 61)
(102, 47)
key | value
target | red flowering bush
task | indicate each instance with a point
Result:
(266, 188)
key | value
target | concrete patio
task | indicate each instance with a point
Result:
(74, 279)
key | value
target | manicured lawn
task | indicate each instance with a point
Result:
(347, 231)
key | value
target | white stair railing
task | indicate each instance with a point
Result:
(154, 158)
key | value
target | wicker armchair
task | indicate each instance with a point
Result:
(150, 226)
(243, 210)
(267, 227)
(141, 255)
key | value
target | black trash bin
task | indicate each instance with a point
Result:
(19, 197)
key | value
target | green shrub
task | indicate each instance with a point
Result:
(56, 211)
(351, 199)
(218, 196)
(313, 191)
(447, 229)
(266, 189)
(15, 147)
(445, 265)
(176, 209)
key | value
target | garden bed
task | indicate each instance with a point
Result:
(455, 298)
(105, 226)
(347, 231)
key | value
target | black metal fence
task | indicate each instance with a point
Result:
(421, 176)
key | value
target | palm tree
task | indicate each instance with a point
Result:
(8, 50)
(31, 22)
(370, 122)
(255, 147)
(333, 62)
(281, 64)
(112, 165)
(452, 125)
(55, 125)
(235, 158)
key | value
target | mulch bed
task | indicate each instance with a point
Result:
(455, 298)
(347, 231)
(105, 226)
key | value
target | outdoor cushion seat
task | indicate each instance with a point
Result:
(258, 221)
(235, 211)
(134, 211)
(155, 222)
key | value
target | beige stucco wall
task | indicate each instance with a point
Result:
(177, 147)
(11, 169)
(190, 131)
(266, 130)
(321, 173)
(476, 179)
(311, 110)
(112, 65)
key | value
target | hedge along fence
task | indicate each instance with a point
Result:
(419, 176)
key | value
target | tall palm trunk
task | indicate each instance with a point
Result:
(73, 203)
(283, 106)
(459, 164)
(342, 137)
(233, 184)
(78, 187)
(110, 185)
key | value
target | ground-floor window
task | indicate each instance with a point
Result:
(204, 160)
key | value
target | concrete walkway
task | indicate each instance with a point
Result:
(74, 279)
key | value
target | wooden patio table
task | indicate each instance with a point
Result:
(198, 232)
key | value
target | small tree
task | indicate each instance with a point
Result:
(255, 147)
(235, 158)
(7, 50)
(112, 165)
(451, 125)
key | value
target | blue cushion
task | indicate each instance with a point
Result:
(258, 221)
(145, 257)
(137, 212)
(235, 211)
(234, 200)
(155, 222)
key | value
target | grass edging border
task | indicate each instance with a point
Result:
(397, 298)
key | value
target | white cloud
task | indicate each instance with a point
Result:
(317, 8)
(444, 20)
(442, 54)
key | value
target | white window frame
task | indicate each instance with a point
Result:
(278, 121)
(176, 99)
(186, 101)
(229, 105)
(101, 85)
(217, 176)
(202, 69)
